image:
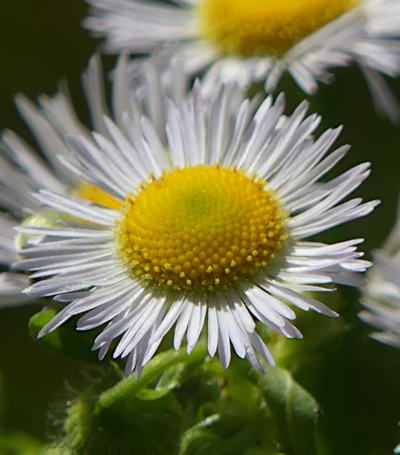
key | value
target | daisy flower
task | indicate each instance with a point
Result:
(22, 171)
(381, 296)
(249, 41)
(212, 227)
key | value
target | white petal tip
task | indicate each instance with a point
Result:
(211, 353)
(42, 333)
(177, 345)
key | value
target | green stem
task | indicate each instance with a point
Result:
(130, 386)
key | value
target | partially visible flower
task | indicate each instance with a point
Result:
(22, 171)
(212, 224)
(249, 41)
(11, 284)
(381, 295)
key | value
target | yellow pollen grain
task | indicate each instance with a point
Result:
(265, 27)
(184, 229)
(93, 194)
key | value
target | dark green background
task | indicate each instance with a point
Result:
(358, 385)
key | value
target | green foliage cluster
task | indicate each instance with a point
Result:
(189, 405)
(181, 405)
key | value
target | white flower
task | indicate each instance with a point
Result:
(212, 224)
(249, 41)
(381, 295)
(22, 171)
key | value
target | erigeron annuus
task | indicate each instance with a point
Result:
(254, 28)
(252, 41)
(212, 212)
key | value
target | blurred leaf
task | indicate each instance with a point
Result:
(294, 411)
(171, 378)
(16, 443)
(259, 451)
(147, 427)
(133, 415)
(198, 442)
(199, 438)
(151, 394)
(64, 339)
(170, 361)
(2, 397)
(57, 450)
(226, 434)
(322, 335)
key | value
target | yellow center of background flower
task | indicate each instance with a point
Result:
(93, 194)
(200, 228)
(263, 27)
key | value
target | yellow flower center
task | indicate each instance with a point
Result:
(84, 191)
(264, 27)
(201, 228)
(93, 194)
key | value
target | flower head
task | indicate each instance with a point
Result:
(22, 171)
(381, 295)
(211, 226)
(249, 41)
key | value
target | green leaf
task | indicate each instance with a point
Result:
(198, 438)
(64, 339)
(151, 394)
(198, 442)
(294, 411)
(226, 434)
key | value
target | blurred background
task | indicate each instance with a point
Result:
(357, 383)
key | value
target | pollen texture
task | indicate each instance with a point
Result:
(265, 27)
(201, 228)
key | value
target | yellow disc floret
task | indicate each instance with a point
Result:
(201, 228)
(265, 27)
